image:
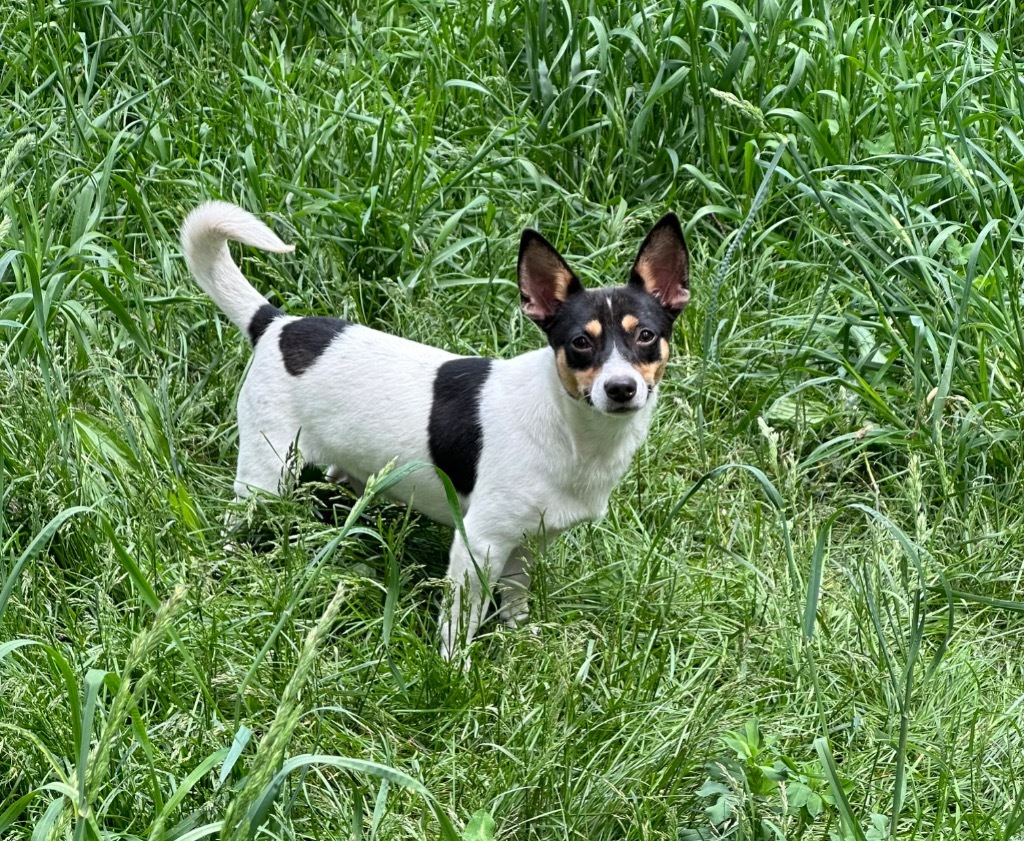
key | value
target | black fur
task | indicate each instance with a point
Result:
(261, 321)
(455, 432)
(592, 305)
(303, 341)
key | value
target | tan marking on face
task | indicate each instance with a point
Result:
(652, 372)
(565, 374)
(577, 383)
(629, 323)
(585, 380)
(594, 328)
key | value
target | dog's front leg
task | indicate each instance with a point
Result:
(472, 572)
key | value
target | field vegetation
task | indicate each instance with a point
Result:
(802, 617)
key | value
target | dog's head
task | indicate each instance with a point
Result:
(611, 345)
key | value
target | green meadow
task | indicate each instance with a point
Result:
(802, 618)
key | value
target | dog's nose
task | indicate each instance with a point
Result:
(621, 391)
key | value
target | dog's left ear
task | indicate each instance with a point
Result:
(545, 279)
(662, 265)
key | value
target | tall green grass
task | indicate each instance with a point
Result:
(801, 617)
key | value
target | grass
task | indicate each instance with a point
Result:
(802, 616)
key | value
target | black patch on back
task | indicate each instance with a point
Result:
(261, 321)
(455, 433)
(304, 341)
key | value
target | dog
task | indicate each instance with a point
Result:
(532, 445)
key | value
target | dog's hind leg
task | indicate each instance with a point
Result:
(514, 587)
(262, 465)
(268, 436)
(268, 449)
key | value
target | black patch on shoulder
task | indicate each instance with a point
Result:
(304, 341)
(261, 321)
(455, 432)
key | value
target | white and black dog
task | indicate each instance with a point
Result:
(532, 445)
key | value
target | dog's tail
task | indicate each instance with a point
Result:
(204, 237)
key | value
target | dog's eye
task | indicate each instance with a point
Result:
(581, 343)
(646, 336)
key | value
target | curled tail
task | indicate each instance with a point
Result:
(204, 237)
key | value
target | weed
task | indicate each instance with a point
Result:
(822, 534)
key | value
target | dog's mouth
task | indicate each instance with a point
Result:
(624, 409)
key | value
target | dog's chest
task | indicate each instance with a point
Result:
(585, 482)
(559, 474)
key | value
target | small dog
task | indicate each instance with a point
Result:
(532, 445)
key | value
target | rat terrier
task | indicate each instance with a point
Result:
(532, 445)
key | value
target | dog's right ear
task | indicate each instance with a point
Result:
(545, 279)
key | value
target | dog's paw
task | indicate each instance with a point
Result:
(514, 617)
(515, 607)
(336, 475)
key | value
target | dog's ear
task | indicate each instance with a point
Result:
(662, 265)
(545, 279)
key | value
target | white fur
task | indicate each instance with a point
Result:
(616, 367)
(204, 237)
(548, 461)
